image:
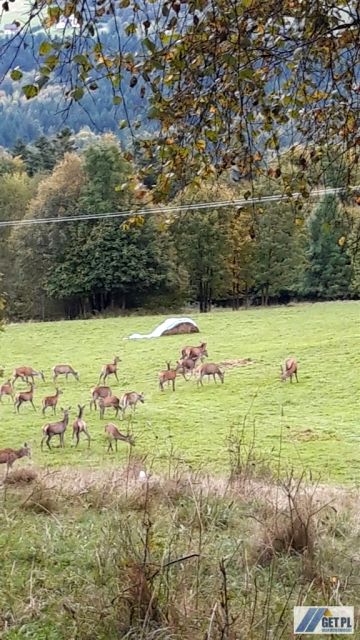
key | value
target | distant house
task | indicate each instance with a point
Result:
(12, 27)
(67, 23)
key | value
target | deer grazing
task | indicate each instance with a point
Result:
(97, 393)
(106, 403)
(64, 370)
(289, 369)
(186, 365)
(8, 456)
(80, 426)
(25, 396)
(6, 389)
(109, 370)
(52, 429)
(113, 433)
(195, 352)
(169, 375)
(51, 401)
(209, 369)
(27, 372)
(131, 399)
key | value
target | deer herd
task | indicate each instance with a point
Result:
(190, 365)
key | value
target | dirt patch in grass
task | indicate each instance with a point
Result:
(238, 362)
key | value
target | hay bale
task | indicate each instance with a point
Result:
(183, 327)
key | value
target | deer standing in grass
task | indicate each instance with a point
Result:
(64, 370)
(8, 456)
(195, 352)
(52, 429)
(131, 399)
(80, 426)
(97, 393)
(169, 375)
(289, 369)
(51, 401)
(108, 402)
(109, 370)
(186, 365)
(25, 396)
(113, 433)
(6, 389)
(209, 369)
(27, 372)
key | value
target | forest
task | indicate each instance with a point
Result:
(230, 256)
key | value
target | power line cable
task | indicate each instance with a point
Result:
(243, 202)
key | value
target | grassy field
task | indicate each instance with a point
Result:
(315, 423)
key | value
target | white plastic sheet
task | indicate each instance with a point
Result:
(169, 323)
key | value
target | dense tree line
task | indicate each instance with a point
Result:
(228, 256)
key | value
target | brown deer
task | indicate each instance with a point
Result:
(64, 370)
(131, 399)
(109, 370)
(186, 365)
(97, 393)
(27, 372)
(8, 456)
(6, 389)
(113, 433)
(51, 401)
(25, 396)
(106, 403)
(289, 369)
(195, 352)
(80, 426)
(52, 429)
(209, 369)
(169, 375)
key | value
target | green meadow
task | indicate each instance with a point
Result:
(310, 425)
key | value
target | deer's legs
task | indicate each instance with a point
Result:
(296, 376)
(88, 437)
(33, 406)
(48, 441)
(116, 446)
(116, 376)
(173, 385)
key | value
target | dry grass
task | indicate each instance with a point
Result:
(24, 475)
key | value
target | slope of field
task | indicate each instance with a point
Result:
(315, 423)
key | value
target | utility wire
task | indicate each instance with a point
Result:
(195, 206)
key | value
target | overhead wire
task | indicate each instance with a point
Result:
(194, 206)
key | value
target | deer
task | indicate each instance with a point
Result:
(97, 393)
(8, 456)
(131, 399)
(52, 429)
(109, 401)
(113, 433)
(6, 389)
(289, 369)
(80, 426)
(109, 369)
(25, 396)
(64, 370)
(209, 369)
(169, 375)
(186, 365)
(51, 401)
(27, 372)
(195, 352)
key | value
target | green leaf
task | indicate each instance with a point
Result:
(16, 74)
(30, 91)
(130, 29)
(117, 100)
(123, 124)
(149, 44)
(77, 93)
(45, 48)
(80, 58)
